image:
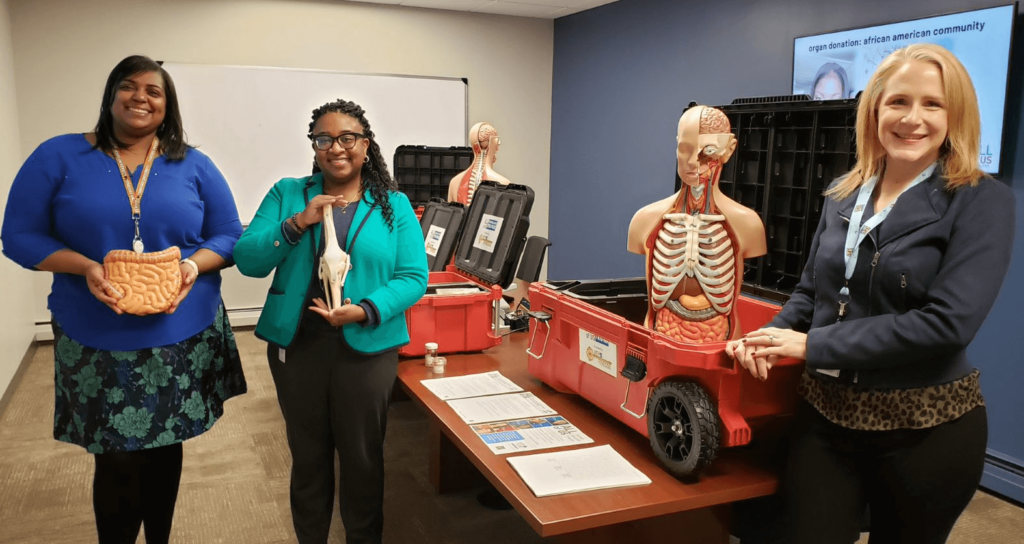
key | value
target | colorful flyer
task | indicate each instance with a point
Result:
(535, 433)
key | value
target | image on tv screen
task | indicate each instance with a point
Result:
(837, 65)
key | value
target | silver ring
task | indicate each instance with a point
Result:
(771, 340)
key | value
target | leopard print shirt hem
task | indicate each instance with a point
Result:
(884, 410)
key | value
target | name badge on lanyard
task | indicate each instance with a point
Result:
(856, 233)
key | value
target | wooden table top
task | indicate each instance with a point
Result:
(735, 474)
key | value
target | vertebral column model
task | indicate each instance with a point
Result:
(695, 241)
(485, 142)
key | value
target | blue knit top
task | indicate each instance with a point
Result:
(69, 195)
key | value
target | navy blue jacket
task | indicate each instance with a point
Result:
(925, 280)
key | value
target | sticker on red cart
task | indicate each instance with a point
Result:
(487, 235)
(433, 240)
(598, 352)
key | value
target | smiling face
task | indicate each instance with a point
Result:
(340, 165)
(912, 115)
(138, 105)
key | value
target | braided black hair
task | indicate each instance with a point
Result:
(375, 175)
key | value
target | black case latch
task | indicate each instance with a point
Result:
(635, 368)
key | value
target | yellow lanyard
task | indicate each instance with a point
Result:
(135, 195)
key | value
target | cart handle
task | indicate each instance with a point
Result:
(626, 401)
(541, 318)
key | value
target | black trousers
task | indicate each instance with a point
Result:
(136, 488)
(335, 400)
(917, 482)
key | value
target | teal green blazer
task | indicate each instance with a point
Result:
(389, 266)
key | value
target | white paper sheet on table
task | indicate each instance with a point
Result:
(561, 472)
(471, 385)
(535, 433)
(500, 408)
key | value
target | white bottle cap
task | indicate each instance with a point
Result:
(431, 345)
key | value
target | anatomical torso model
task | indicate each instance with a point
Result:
(696, 240)
(484, 139)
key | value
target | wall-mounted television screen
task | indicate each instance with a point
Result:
(838, 64)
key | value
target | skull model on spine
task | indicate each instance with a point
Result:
(484, 139)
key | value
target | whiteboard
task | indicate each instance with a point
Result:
(253, 121)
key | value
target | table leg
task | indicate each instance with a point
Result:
(450, 470)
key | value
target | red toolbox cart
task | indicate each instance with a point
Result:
(587, 338)
(460, 311)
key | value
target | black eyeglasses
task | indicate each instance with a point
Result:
(323, 142)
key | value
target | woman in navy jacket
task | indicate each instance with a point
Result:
(908, 258)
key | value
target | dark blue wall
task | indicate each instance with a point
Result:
(623, 73)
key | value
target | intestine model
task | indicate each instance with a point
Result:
(484, 139)
(334, 263)
(696, 240)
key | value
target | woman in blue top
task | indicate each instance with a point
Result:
(911, 250)
(334, 369)
(130, 388)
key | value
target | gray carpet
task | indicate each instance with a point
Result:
(235, 479)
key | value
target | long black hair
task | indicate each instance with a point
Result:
(171, 132)
(375, 175)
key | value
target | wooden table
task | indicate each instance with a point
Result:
(667, 510)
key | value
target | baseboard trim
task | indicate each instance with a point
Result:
(241, 317)
(1004, 476)
(30, 353)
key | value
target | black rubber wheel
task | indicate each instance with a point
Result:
(683, 427)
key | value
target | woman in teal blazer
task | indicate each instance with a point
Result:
(334, 369)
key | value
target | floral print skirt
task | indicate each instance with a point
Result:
(118, 401)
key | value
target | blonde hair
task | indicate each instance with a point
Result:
(958, 155)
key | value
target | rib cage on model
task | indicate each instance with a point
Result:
(699, 247)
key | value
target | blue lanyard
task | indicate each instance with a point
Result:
(856, 232)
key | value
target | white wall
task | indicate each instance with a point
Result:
(64, 50)
(15, 284)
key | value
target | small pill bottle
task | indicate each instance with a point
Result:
(439, 364)
(431, 353)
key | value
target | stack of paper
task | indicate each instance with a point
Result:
(500, 408)
(573, 471)
(471, 385)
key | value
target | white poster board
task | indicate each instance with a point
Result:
(252, 121)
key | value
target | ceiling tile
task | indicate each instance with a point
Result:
(545, 9)
(455, 5)
(518, 10)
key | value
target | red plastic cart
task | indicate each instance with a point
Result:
(690, 400)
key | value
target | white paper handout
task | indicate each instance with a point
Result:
(535, 433)
(471, 385)
(500, 408)
(452, 291)
(558, 473)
